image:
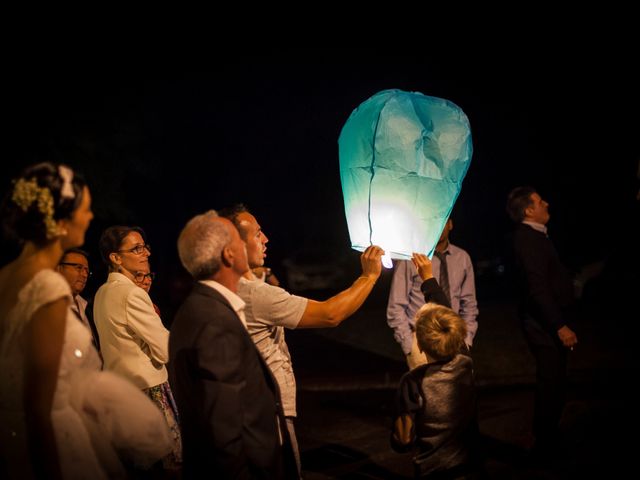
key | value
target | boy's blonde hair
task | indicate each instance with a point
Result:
(440, 331)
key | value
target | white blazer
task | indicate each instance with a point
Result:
(133, 340)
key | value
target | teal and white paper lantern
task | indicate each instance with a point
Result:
(403, 156)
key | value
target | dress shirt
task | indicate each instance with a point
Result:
(406, 298)
(79, 307)
(537, 226)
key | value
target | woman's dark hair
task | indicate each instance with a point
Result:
(24, 213)
(111, 240)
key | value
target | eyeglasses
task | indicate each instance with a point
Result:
(140, 277)
(137, 250)
(78, 267)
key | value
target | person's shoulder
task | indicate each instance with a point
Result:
(47, 278)
(412, 380)
(201, 304)
(455, 249)
(123, 290)
(458, 364)
(459, 251)
(46, 286)
(118, 282)
(136, 293)
(202, 320)
(259, 289)
(463, 359)
(525, 233)
(524, 229)
(247, 285)
(201, 293)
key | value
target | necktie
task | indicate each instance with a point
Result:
(444, 274)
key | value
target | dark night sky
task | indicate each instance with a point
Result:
(158, 146)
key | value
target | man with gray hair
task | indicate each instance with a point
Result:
(232, 422)
(271, 309)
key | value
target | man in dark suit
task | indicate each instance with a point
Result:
(546, 298)
(229, 404)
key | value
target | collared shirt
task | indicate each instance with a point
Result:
(537, 226)
(79, 307)
(269, 310)
(406, 298)
(234, 300)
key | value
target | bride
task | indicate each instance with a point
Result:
(60, 416)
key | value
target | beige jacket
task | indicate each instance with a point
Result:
(133, 340)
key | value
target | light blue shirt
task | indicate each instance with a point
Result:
(406, 298)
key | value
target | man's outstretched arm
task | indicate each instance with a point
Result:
(333, 311)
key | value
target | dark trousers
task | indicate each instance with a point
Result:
(551, 381)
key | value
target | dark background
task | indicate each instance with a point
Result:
(161, 145)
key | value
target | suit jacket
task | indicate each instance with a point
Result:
(133, 341)
(546, 287)
(228, 402)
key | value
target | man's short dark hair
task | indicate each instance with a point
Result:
(79, 251)
(518, 201)
(232, 214)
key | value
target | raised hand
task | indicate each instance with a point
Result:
(423, 265)
(371, 261)
(567, 337)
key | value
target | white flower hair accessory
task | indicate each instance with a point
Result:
(67, 177)
(25, 192)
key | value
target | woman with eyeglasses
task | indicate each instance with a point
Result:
(144, 278)
(133, 340)
(60, 415)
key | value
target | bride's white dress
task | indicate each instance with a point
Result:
(99, 418)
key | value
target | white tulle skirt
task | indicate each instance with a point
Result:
(107, 426)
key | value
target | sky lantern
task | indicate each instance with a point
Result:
(403, 156)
